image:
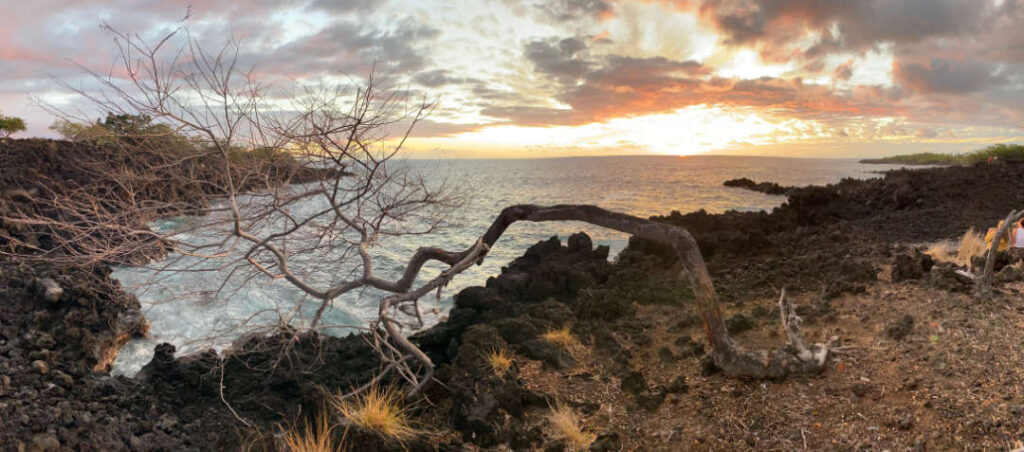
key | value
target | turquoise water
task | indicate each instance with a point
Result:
(196, 310)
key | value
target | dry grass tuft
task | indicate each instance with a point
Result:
(378, 410)
(562, 336)
(500, 361)
(941, 251)
(568, 426)
(972, 244)
(311, 438)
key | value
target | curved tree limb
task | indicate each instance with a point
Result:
(983, 285)
(795, 358)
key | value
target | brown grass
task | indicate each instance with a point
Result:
(311, 438)
(562, 336)
(941, 251)
(379, 410)
(568, 426)
(971, 244)
(500, 361)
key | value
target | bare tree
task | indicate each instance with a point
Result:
(319, 236)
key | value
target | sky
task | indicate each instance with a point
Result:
(802, 78)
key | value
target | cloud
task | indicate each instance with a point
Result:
(429, 128)
(947, 76)
(954, 60)
(348, 47)
(636, 72)
(933, 62)
(561, 58)
(844, 71)
(571, 10)
(494, 96)
(598, 88)
(843, 24)
(526, 115)
(345, 6)
(439, 77)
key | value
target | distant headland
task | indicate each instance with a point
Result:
(993, 153)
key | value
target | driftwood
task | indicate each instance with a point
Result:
(795, 358)
(983, 284)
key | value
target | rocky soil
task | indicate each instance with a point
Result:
(927, 367)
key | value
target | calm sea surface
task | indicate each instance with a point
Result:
(182, 311)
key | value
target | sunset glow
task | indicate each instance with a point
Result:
(686, 131)
(598, 77)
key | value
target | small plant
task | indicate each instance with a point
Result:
(971, 244)
(311, 438)
(378, 410)
(568, 426)
(500, 361)
(562, 337)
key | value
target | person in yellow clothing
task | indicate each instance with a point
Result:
(1015, 238)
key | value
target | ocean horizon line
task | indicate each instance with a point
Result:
(702, 155)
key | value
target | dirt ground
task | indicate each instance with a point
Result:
(951, 381)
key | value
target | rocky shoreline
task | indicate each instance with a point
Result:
(637, 374)
(62, 323)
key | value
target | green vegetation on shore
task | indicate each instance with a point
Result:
(1003, 152)
(10, 125)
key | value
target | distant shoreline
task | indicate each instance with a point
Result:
(992, 154)
(893, 160)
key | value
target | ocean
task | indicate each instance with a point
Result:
(187, 309)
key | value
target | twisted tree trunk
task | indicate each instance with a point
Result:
(727, 355)
(794, 358)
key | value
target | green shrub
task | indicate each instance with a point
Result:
(10, 125)
(1002, 152)
(127, 130)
